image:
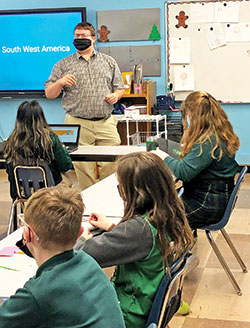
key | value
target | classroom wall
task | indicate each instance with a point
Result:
(239, 114)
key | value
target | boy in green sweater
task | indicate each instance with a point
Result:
(69, 288)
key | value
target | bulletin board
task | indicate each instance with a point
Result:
(128, 56)
(128, 25)
(208, 48)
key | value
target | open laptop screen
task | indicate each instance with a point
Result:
(67, 133)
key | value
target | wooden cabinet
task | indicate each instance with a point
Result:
(148, 98)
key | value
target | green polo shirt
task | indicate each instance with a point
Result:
(69, 290)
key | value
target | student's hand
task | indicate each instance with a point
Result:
(112, 98)
(86, 233)
(100, 221)
(160, 153)
(68, 79)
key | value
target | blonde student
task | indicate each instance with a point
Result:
(153, 231)
(69, 288)
(207, 165)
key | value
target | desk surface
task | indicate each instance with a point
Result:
(103, 153)
(11, 280)
(101, 197)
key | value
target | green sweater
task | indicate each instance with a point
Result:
(62, 161)
(204, 166)
(69, 291)
(136, 284)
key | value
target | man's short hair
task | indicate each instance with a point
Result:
(55, 214)
(85, 26)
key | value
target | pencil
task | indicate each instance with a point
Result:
(3, 267)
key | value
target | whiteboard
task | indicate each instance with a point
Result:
(223, 71)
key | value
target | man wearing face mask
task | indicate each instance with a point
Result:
(91, 83)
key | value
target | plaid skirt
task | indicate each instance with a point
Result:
(205, 201)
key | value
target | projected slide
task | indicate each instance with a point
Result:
(30, 45)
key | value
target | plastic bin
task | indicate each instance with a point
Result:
(139, 138)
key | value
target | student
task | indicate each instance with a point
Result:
(69, 288)
(91, 82)
(32, 141)
(153, 231)
(207, 166)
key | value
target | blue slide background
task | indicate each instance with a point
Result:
(34, 30)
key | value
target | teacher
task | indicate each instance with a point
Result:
(91, 83)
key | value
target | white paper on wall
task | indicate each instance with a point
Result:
(227, 12)
(215, 35)
(179, 50)
(183, 77)
(237, 32)
(202, 13)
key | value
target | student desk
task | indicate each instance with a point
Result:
(11, 280)
(102, 197)
(102, 153)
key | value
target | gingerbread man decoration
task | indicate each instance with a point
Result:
(181, 19)
(103, 34)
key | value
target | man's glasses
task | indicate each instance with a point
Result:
(81, 36)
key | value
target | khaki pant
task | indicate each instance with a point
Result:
(98, 133)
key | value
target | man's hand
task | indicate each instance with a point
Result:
(112, 98)
(68, 79)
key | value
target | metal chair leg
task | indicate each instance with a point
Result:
(12, 214)
(13, 217)
(223, 263)
(234, 250)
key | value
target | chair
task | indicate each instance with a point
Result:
(25, 181)
(168, 296)
(220, 226)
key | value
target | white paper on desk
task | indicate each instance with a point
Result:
(237, 32)
(183, 77)
(103, 197)
(20, 262)
(226, 12)
(202, 13)
(179, 50)
(215, 35)
(10, 280)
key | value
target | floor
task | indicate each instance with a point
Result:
(213, 301)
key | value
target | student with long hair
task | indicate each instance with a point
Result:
(152, 233)
(32, 141)
(207, 165)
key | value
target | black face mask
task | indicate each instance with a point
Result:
(23, 247)
(82, 44)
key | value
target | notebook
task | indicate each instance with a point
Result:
(68, 134)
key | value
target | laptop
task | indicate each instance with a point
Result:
(68, 135)
(171, 147)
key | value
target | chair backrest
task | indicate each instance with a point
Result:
(29, 179)
(168, 296)
(230, 205)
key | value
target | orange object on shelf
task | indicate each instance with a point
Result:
(127, 80)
